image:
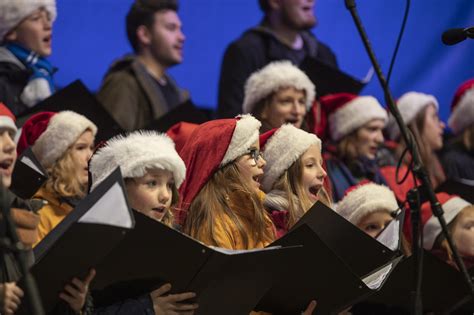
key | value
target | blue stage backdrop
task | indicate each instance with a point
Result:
(90, 34)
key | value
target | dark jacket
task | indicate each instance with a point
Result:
(343, 176)
(458, 162)
(131, 96)
(253, 50)
(14, 77)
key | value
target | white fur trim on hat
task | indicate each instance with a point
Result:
(276, 75)
(7, 122)
(245, 135)
(366, 199)
(282, 150)
(432, 228)
(135, 154)
(63, 130)
(409, 105)
(463, 114)
(355, 114)
(12, 12)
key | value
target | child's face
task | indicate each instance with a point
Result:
(463, 232)
(373, 223)
(34, 33)
(313, 172)
(288, 105)
(81, 153)
(7, 156)
(152, 193)
(251, 170)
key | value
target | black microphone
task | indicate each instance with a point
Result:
(456, 35)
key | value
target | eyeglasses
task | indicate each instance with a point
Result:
(255, 154)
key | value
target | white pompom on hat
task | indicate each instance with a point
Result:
(12, 12)
(409, 105)
(366, 199)
(271, 78)
(135, 154)
(281, 148)
(462, 108)
(348, 112)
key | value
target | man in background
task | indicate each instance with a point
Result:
(137, 89)
(283, 34)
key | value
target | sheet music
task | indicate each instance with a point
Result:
(26, 160)
(110, 209)
(375, 280)
(390, 236)
(242, 251)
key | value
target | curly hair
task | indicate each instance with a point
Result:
(63, 180)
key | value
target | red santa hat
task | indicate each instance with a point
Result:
(451, 205)
(51, 134)
(135, 154)
(271, 78)
(462, 107)
(211, 146)
(180, 133)
(365, 199)
(281, 148)
(12, 12)
(409, 105)
(7, 119)
(348, 112)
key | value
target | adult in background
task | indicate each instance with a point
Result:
(283, 34)
(137, 89)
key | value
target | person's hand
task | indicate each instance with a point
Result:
(75, 292)
(310, 309)
(170, 304)
(10, 297)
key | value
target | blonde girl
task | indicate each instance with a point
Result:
(294, 174)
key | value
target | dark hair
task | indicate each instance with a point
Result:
(264, 5)
(142, 12)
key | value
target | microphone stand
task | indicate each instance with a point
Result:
(12, 242)
(419, 171)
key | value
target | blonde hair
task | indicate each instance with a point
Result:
(442, 243)
(63, 180)
(213, 203)
(290, 182)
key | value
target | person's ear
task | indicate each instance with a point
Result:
(11, 36)
(143, 35)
